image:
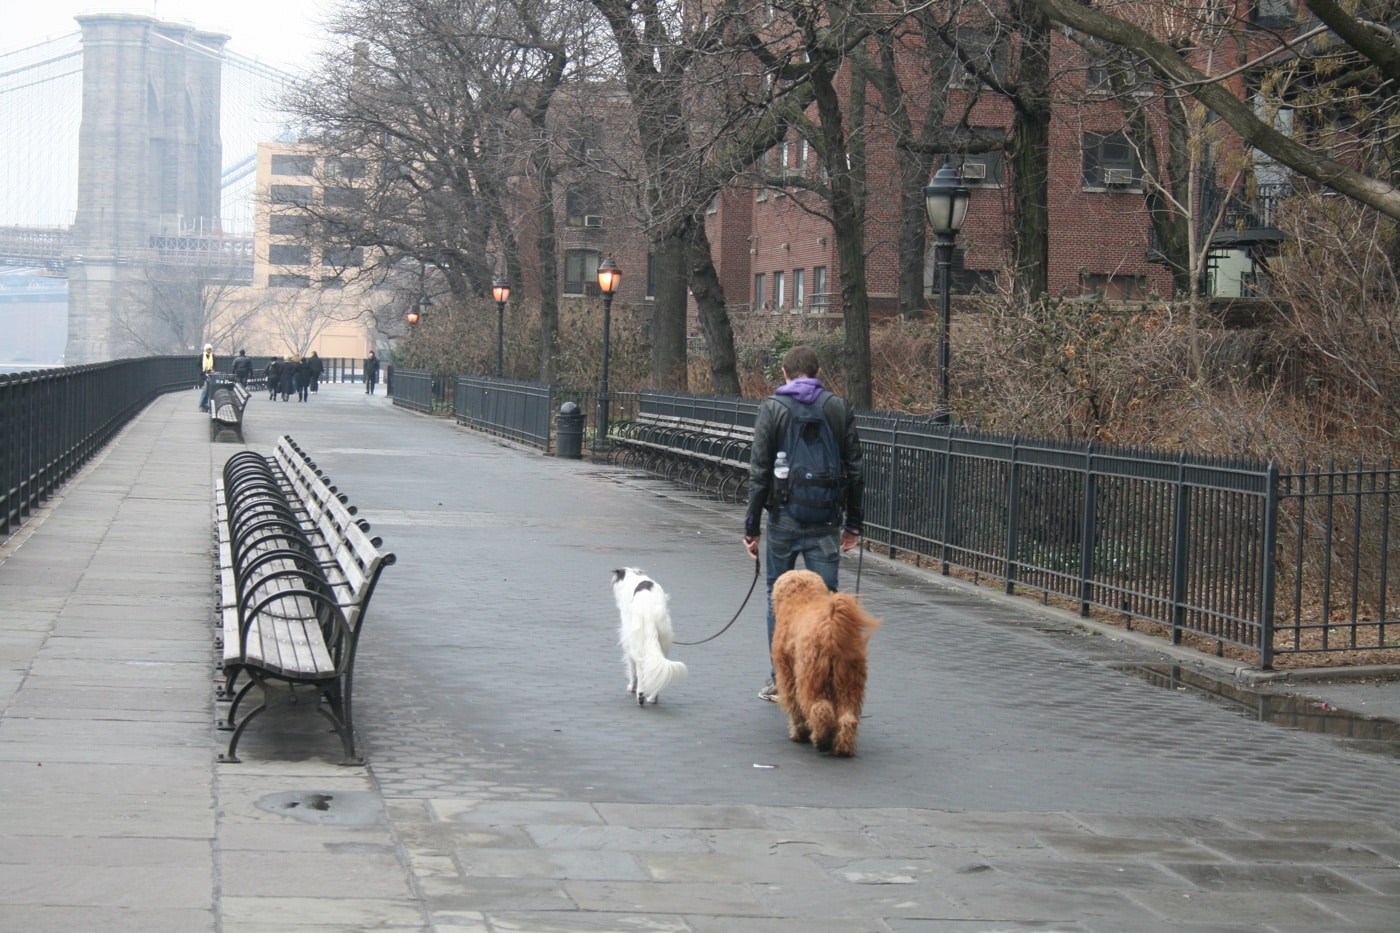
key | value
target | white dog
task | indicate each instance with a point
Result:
(645, 634)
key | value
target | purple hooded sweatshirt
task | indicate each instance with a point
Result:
(804, 388)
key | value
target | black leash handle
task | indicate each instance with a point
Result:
(736, 613)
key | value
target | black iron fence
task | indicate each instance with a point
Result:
(523, 411)
(1205, 547)
(519, 410)
(1219, 552)
(415, 389)
(52, 421)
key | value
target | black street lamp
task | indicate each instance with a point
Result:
(945, 199)
(609, 278)
(417, 314)
(500, 290)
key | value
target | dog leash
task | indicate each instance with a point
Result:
(736, 613)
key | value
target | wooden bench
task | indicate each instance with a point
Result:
(227, 400)
(296, 573)
(698, 440)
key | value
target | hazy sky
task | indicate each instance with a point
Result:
(283, 33)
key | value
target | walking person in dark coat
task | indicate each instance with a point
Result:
(371, 372)
(242, 367)
(287, 378)
(274, 379)
(317, 367)
(303, 380)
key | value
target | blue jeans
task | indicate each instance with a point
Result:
(819, 546)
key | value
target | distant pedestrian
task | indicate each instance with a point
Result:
(242, 367)
(206, 372)
(303, 380)
(287, 378)
(316, 370)
(371, 372)
(274, 378)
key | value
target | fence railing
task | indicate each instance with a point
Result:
(523, 411)
(52, 421)
(1201, 546)
(518, 410)
(413, 388)
(1219, 552)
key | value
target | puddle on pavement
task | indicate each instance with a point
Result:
(345, 808)
(1306, 714)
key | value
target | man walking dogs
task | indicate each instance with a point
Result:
(805, 472)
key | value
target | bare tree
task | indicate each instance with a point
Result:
(1351, 59)
(437, 104)
(1341, 298)
(178, 303)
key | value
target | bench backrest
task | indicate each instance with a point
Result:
(357, 558)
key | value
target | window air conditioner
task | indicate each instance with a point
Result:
(1117, 177)
(593, 220)
(974, 171)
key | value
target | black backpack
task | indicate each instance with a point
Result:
(816, 479)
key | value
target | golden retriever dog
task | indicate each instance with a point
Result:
(819, 640)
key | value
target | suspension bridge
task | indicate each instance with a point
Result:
(129, 140)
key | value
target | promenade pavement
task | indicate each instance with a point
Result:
(1018, 769)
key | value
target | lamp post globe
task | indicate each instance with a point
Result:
(500, 290)
(945, 200)
(609, 278)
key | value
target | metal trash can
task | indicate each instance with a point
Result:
(568, 431)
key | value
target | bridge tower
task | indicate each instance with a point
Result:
(149, 165)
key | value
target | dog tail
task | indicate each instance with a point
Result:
(652, 641)
(658, 672)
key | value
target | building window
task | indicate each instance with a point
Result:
(799, 286)
(283, 280)
(288, 254)
(343, 256)
(582, 207)
(294, 195)
(290, 225)
(1271, 14)
(990, 54)
(298, 165)
(1098, 77)
(779, 290)
(1113, 287)
(1110, 161)
(332, 283)
(820, 299)
(345, 168)
(983, 169)
(581, 272)
(343, 197)
(760, 281)
(651, 275)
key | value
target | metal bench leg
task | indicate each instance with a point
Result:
(335, 706)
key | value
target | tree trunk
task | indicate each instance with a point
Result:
(547, 258)
(1030, 156)
(668, 350)
(714, 319)
(845, 165)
